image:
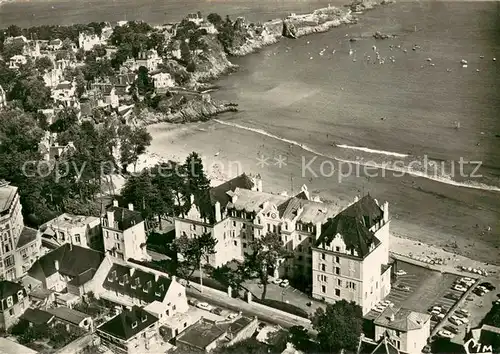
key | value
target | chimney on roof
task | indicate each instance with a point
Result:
(386, 212)
(391, 318)
(156, 277)
(56, 265)
(115, 202)
(258, 184)
(218, 216)
(191, 199)
(304, 189)
(131, 206)
(173, 278)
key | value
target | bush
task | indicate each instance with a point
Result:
(211, 283)
(283, 306)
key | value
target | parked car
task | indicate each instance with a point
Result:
(232, 316)
(192, 302)
(285, 283)
(435, 312)
(217, 311)
(445, 334)
(459, 288)
(451, 329)
(204, 306)
(479, 291)
(488, 286)
(455, 321)
(462, 312)
(401, 272)
(387, 303)
(438, 308)
(277, 281)
(452, 296)
(463, 319)
(403, 287)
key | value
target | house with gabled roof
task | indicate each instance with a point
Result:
(350, 258)
(68, 267)
(124, 233)
(133, 331)
(407, 329)
(13, 302)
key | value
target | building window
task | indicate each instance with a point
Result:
(274, 228)
(77, 238)
(107, 234)
(234, 223)
(337, 249)
(337, 292)
(398, 333)
(118, 246)
(235, 243)
(11, 312)
(323, 256)
(9, 261)
(323, 267)
(244, 245)
(9, 301)
(337, 270)
(299, 237)
(323, 288)
(7, 248)
(204, 229)
(268, 228)
(134, 324)
(244, 226)
(337, 259)
(339, 282)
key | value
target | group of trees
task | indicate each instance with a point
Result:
(58, 335)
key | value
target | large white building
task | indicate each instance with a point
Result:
(124, 234)
(75, 229)
(351, 255)
(19, 245)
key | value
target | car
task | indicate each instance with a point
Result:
(285, 283)
(445, 334)
(462, 318)
(401, 272)
(452, 296)
(204, 306)
(488, 286)
(483, 288)
(403, 287)
(192, 302)
(460, 288)
(217, 311)
(441, 316)
(387, 303)
(435, 312)
(455, 321)
(451, 329)
(437, 308)
(232, 316)
(277, 281)
(462, 312)
(378, 309)
(479, 291)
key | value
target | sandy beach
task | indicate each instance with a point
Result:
(448, 221)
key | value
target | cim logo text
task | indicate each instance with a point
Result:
(473, 347)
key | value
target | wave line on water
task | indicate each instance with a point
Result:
(446, 180)
(372, 151)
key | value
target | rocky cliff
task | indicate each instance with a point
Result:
(257, 37)
(320, 20)
(193, 111)
(212, 62)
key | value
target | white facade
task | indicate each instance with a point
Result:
(163, 80)
(124, 234)
(88, 41)
(75, 229)
(16, 61)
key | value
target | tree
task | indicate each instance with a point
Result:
(193, 251)
(185, 52)
(230, 276)
(143, 83)
(31, 93)
(134, 141)
(64, 120)
(11, 49)
(299, 337)
(198, 184)
(266, 254)
(43, 64)
(339, 326)
(215, 19)
(246, 346)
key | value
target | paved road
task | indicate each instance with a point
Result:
(250, 309)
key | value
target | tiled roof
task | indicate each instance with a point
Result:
(252, 201)
(404, 319)
(9, 288)
(68, 315)
(27, 235)
(120, 280)
(36, 316)
(219, 193)
(83, 278)
(202, 333)
(353, 224)
(125, 217)
(73, 261)
(121, 325)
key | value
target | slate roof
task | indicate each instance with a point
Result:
(353, 224)
(27, 235)
(124, 217)
(73, 261)
(202, 333)
(83, 278)
(120, 326)
(404, 319)
(121, 281)
(219, 193)
(9, 288)
(36, 316)
(68, 315)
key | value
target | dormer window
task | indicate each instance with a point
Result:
(112, 276)
(160, 290)
(137, 282)
(134, 324)
(147, 287)
(20, 295)
(144, 318)
(9, 301)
